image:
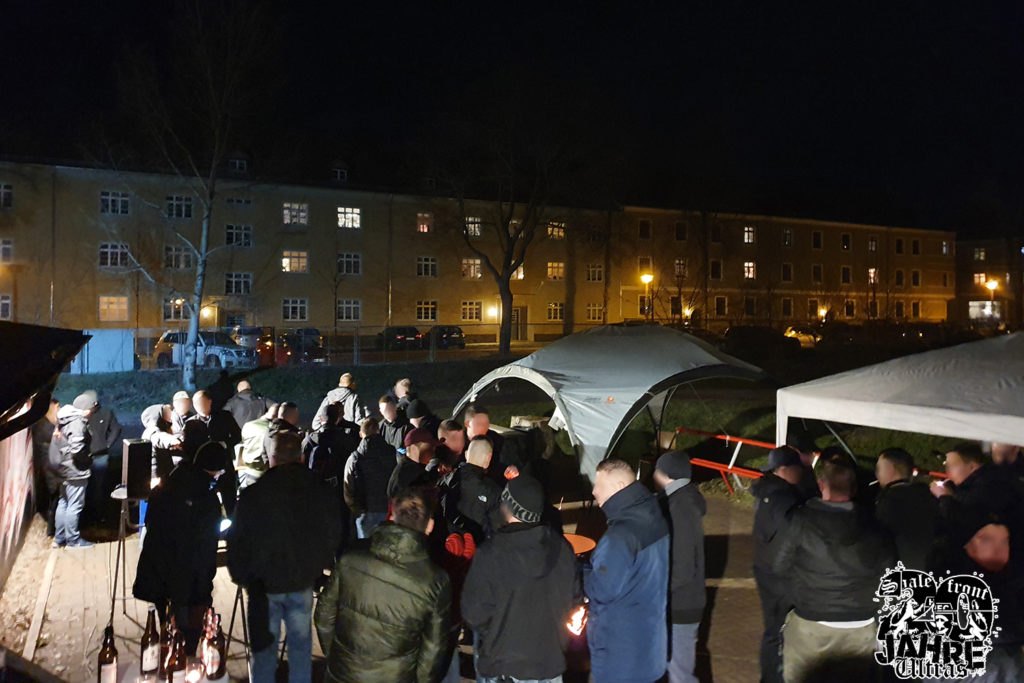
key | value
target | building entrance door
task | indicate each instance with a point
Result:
(519, 323)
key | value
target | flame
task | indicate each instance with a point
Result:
(577, 621)
(193, 676)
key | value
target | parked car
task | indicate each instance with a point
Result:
(755, 341)
(399, 337)
(805, 334)
(249, 337)
(297, 348)
(214, 350)
(444, 337)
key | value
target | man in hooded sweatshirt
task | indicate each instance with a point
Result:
(73, 440)
(684, 510)
(519, 592)
(627, 581)
(352, 409)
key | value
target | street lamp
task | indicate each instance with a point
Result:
(647, 278)
(992, 285)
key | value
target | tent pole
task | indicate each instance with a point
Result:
(838, 438)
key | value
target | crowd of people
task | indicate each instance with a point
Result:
(400, 535)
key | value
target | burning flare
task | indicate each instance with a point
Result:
(577, 621)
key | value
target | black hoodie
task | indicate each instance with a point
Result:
(517, 598)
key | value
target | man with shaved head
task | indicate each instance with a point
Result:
(627, 580)
(246, 405)
(217, 426)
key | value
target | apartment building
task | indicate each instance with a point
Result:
(990, 281)
(92, 248)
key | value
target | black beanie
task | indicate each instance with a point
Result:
(524, 498)
(416, 408)
(675, 465)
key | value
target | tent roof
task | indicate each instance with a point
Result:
(970, 391)
(601, 378)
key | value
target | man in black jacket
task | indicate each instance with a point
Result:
(278, 555)
(246, 405)
(975, 486)
(393, 425)
(472, 503)
(834, 557)
(179, 559)
(905, 508)
(214, 425)
(104, 441)
(519, 590)
(366, 477)
(776, 494)
(684, 509)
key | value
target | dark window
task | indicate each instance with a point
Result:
(816, 239)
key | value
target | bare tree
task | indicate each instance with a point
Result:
(193, 103)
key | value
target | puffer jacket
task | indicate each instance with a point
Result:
(76, 458)
(517, 597)
(833, 554)
(386, 613)
(627, 582)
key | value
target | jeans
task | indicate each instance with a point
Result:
(684, 653)
(296, 611)
(69, 508)
(368, 521)
(510, 679)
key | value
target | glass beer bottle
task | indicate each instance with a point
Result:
(108, 657)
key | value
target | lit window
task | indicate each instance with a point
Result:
(239, 202)
(873, 243)
(816, 239)
(787, 272)
(787, 307)
(556, 231)
(349, 217)
(514, 226)
(979, 253)
(556, 310)
(679, 268)
(643, 264)
(473, 311)
(846, 275)
(556, 270)
(915, 278)
(238, 165)
(845, 241)
(113, 309)
(472, 269)
(115, 203)
(426, 266)
(681, 231)
(749, 306)
(426, 311)
(816, 273)
(295, 310)
(179, 206)
(238, 283)
(350, 264)
(424, 222)
(114, 255)
(872, 276)
(643, 230)
(849, 308)
(177, 257)
(294, 213)
(238, 235)
(749, 234)
(595, 272)
(175, 308)
(6, 250)
(915, 249)
(295, 261)
(6, 202)
(473, 226)
(6, 307)
(594, 313)
(749, 270)
(915, 309)
(980, 278)
(899, 245)
(899, 278)
(721, 306)
(716, 270)
(518, 273)
(350, 309)
(945, 248)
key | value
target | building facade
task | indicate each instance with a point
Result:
(90, 248)
(990, 282)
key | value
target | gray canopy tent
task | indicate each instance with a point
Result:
(971, 391)
(602, 378)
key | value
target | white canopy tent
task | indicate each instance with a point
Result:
(602, 378)
(971, 391)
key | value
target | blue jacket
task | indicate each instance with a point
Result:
(627, 583)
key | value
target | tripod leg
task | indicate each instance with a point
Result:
(124, 557)
(231, 623)
(245, 635)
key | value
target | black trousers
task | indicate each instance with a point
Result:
(774, 607)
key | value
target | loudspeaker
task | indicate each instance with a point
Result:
(136, 468)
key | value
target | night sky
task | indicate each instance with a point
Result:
(909, 114)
